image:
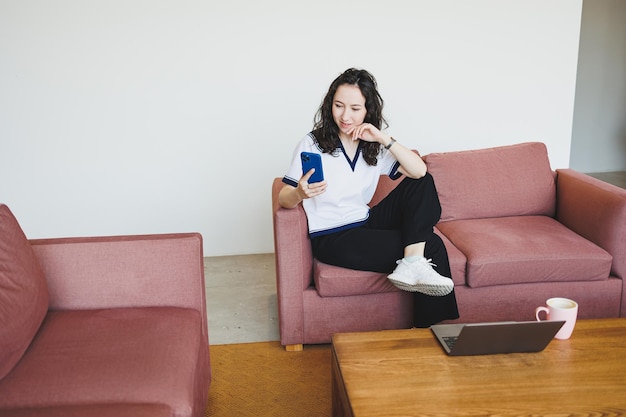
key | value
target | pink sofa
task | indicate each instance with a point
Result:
(111, 326)
(516, 233)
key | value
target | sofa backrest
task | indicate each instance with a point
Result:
(501, 181)
(102, 272)
(385, 186)
(23, 292)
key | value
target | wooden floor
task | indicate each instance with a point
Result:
(262, 379)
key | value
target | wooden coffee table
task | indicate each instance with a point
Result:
(407, 373)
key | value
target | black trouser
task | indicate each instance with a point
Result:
(406, 216)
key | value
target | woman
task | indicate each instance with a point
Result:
(395, 235)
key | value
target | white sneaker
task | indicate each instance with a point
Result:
(419, 276)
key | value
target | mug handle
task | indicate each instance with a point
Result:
(539, 310)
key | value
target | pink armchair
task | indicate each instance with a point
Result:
(516, 233)
(102, 326)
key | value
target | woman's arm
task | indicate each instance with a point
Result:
(411, 164)
(289, 197)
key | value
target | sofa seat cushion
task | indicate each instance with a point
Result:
(110, 356)
(521, 249)
(91, 410)
(502, 181)
(23, 292)
(334, 281)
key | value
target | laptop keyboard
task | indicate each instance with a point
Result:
(450, 340)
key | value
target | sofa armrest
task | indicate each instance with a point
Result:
(294, 266)
(595, 210)
(124, 271)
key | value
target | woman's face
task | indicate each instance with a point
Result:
(348, 108)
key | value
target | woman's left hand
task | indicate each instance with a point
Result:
(369, 133)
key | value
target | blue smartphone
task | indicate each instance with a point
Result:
(312, 160)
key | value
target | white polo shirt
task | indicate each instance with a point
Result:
(351, 185)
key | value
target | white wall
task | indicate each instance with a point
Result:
(130, 116)
(599, 129)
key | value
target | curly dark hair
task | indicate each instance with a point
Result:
(325, 129)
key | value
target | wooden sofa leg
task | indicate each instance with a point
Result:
(294, 348)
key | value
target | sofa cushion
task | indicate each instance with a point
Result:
(513, 250)
(23, 292)
(111, 356)
(494, 182)
(91, 410)
(335, 281)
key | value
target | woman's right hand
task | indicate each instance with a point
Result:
(311, 190)
(290, 197)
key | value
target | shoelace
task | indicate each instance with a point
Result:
(428, 262)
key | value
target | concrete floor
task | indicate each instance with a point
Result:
(616, 178)
(241, 292)
(241, 299)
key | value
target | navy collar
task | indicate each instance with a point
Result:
(352, 163)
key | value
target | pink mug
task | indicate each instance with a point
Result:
(560, 309)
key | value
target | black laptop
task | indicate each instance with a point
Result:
(499, 337)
